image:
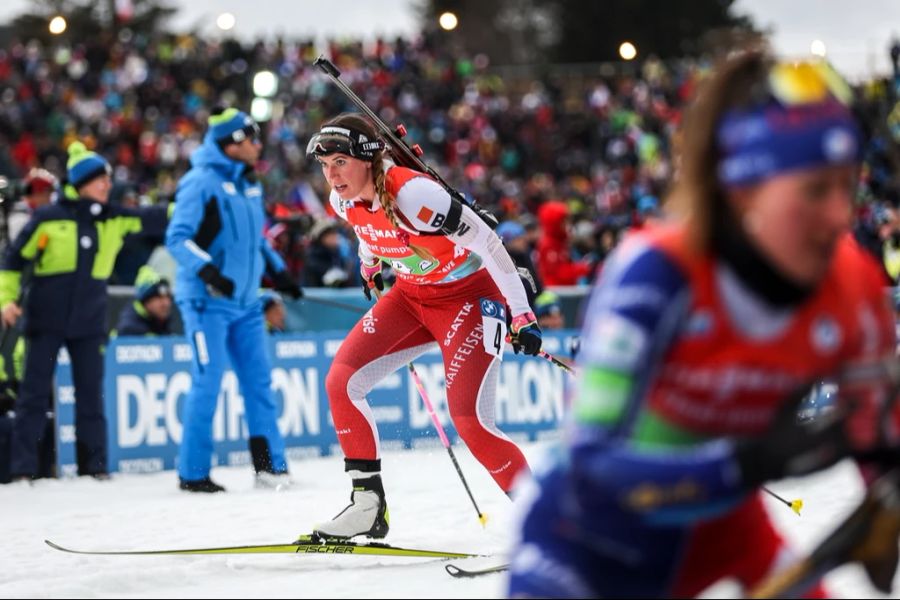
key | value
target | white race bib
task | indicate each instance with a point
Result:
(493, 320)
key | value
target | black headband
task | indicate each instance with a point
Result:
(342, 140)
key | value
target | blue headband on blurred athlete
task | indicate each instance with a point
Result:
(806, 123)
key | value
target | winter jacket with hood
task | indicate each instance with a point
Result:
(555, 263)
(219, 219)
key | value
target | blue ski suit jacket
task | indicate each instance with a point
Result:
(218, 219)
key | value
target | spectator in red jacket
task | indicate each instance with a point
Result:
(555, 264)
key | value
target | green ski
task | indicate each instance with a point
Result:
(307, 544)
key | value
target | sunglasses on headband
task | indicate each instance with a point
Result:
(251, 131)
(340, 140)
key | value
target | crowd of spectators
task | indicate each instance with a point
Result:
(595, 146)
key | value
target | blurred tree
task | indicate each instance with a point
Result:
(593, 31)
(88, 18)
(562, 31)
(508, 31)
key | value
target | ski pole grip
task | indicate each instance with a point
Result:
(327, 66)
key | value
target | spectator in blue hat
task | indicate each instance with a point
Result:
(151, 311)
(515, 239)
(548, 310)
(71, 246)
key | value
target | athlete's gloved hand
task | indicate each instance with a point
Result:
(217, 284)
(525, 334)
(790, 448)
(285, 283)
(371, 275)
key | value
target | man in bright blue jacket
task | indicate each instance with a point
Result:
(216, 237)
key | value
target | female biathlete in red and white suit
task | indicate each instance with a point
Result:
(454, 280)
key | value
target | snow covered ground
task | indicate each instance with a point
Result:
(429, 509)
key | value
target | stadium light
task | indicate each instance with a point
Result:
(817, 48)
(265, 84)
(627, 50)
(225, 21)
(448, 21)
(57, 25)
(261, 109)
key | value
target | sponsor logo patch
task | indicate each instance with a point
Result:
(425, 214)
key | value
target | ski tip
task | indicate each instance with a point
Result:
(55, 546)
(459, 573)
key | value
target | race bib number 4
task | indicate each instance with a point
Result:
(493, 319)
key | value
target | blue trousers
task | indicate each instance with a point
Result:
(218, 330)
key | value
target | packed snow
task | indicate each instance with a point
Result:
(429, 509)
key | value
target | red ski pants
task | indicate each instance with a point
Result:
(406, 322)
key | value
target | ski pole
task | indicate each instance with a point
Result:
(546, 355)
(882, 370)
(482, 518)
(867, 536)
(794, 505)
